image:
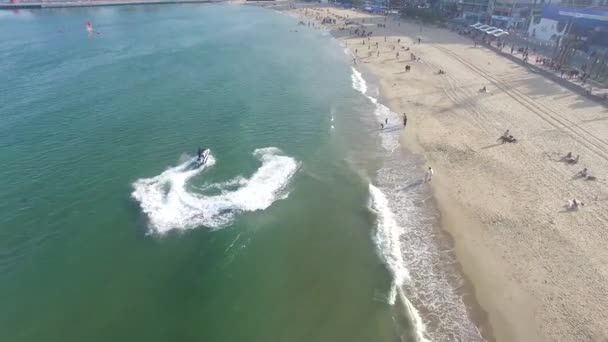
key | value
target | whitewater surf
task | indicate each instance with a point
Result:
(422, 273)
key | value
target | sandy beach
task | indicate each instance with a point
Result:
(539, 270)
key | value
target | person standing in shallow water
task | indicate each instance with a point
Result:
(429, 175)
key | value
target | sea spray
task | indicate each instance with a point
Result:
(170, 205)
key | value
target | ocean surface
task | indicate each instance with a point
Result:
(308, 222)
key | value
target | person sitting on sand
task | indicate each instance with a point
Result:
(571, 160)
(507, 137)
(441, 72)
(573, 204)
(483, 90)
(583, 173)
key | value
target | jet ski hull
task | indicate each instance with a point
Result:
(202, 160)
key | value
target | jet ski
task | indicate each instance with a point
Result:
(203, 155)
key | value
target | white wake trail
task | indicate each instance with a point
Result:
(169, 205)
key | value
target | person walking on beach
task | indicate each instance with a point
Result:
(386, 121)
(419, 40)
(404, 120)
(429, 175)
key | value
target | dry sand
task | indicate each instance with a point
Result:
(538, 270)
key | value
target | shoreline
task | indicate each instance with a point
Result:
(460, 284)
(511, 237)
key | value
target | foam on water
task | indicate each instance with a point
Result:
(407, 242)
(434, 280)
(358, 82)
(390, 133)
(388, 242)
(169, 205)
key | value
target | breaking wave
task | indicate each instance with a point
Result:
(388, 242)
(169, 204)
(423, 274)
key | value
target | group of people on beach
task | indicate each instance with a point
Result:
(506, 137)
(360, 31)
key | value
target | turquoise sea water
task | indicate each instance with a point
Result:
(108, 234)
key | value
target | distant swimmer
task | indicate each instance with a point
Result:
(89, 27)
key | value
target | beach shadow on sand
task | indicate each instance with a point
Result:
(411, 185)
(492, 146)
(556, 157)
(594, 120)
(390, 129)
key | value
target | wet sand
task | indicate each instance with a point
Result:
(538, 270)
